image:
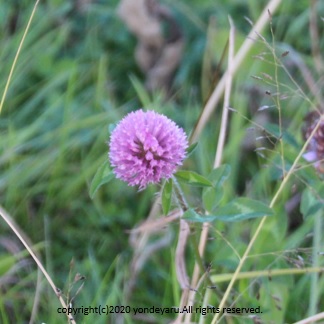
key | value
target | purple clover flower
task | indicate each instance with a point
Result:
(146, 147)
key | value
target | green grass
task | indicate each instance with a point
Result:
(75, 76)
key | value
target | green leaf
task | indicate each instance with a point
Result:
(103, 175)
(219, 175)
(141, 91)
(6, 263)
(244, 208)
(191, 216)
(237, 210)
(167, 196)
(7, 260)
(311, 202)
(212, 196)
(191, 149)
(193, 179)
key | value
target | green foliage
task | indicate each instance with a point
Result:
(237, 210)
(312, 200)
(212, 196)
(191, 149)
(6, 263)
(167, 196)
(103, 175)
(75, 76)
(193, 178)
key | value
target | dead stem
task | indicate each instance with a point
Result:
(218, 158)
(5, 216)
(314, 37)
(238, 59)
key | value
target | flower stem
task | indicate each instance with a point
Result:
(314, 288)
(179, 194)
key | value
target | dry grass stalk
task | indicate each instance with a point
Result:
(180, 262)
(239, 57)
(14, 227)
(218, 157)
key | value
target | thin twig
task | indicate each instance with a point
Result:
(184, 232)
(239, 57)
(218, 157)
(312, 319)
(228, 88)
(314, 37)
(139, 242)
(180, 260)
(276, 97)
(5, 216)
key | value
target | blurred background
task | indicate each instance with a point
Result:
(81, 69)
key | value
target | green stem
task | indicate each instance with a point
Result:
(184, 205)
(16, 56)
(314, 287)
(180, 196)
(259, 228)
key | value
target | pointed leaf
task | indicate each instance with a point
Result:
(219, 175)
(141, 91)
(103, 175)
(6, 263)
(191, 216)
(191, 149)
(193, 179)
(167, 196)
(243, 208)
(311, 201)
(237, 210)
(212, 196)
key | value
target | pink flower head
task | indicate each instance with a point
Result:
(146, 147)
